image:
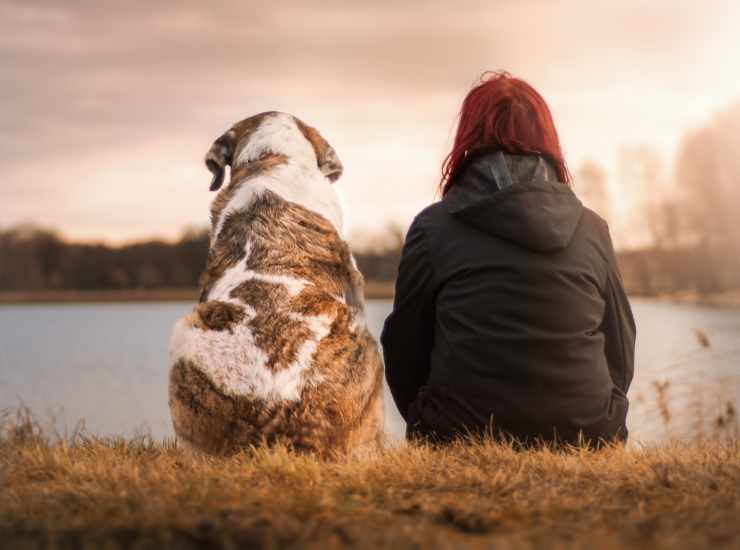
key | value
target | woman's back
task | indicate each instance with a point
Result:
(510, 311)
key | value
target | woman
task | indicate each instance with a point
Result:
(510, 317)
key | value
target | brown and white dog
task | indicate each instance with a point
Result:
(277, 350)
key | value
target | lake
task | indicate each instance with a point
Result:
(107, 364)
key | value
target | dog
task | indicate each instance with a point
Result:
(277, 349)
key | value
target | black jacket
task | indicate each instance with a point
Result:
(510, 315)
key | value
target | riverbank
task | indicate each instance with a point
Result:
(116, 494)
(727, 298)
(373, 291)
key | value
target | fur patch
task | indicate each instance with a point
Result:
(217, 315)
(326, 157)
(241, 176)
(207, 420)
(277, 330)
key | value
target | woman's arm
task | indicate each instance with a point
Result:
(408, 332)
(619, 327)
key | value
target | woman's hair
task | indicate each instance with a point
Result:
(503, 113)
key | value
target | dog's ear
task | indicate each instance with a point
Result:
(326, 156)
(329, 163)
(220, 155)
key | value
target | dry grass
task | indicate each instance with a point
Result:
(141, 494)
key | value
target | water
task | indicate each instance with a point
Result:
(107, 364)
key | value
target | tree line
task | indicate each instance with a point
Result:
(33, 258)
(686, 209)
(689, 215)
(38, 259)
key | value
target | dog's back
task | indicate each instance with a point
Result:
(277, 349)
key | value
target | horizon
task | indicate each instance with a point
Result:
(110, 111)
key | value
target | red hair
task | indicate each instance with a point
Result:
(503, 113)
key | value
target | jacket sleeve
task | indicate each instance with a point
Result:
(618, 326)
(408, 332)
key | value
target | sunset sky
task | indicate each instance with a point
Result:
(107, 109)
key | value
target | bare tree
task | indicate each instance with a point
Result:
(591, 186)
(708, 175)
(647, 188)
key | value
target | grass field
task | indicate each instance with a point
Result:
(93, 493)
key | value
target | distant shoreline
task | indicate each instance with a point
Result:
(373, 291)
(723, 299)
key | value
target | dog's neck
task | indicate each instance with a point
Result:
(297, 180)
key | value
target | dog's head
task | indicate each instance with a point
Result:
(271, 133)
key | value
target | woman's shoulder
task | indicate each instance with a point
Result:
(430, 212)
(595, 223)
(431, 216)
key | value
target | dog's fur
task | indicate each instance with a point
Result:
(277, 349)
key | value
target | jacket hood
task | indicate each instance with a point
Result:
(517, 198)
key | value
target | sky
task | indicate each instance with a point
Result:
(107, 108)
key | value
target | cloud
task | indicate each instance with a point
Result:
(89, 86)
